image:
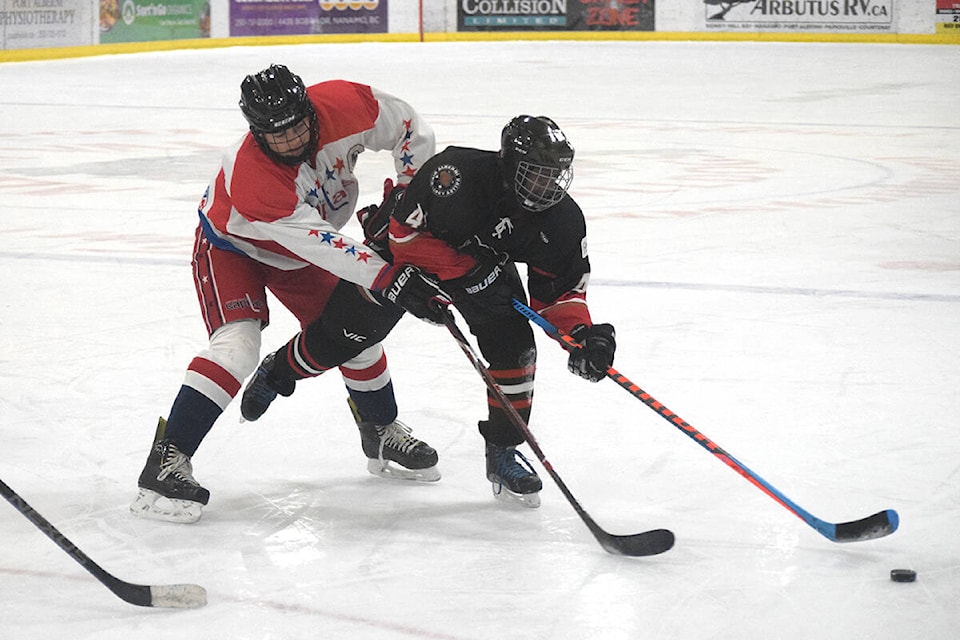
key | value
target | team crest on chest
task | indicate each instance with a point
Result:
(445, 180)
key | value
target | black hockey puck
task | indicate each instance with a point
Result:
(903, 575)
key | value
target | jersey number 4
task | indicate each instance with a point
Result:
(416, 218)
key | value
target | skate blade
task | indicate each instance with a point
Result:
(528, 500)
(151, 505)
(387, 469)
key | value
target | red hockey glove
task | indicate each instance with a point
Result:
(595, 355)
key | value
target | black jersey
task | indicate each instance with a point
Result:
(460, 197)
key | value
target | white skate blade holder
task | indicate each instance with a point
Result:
(153, 506)
(528, 500)
(391, 471)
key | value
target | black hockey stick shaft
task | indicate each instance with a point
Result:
(176, 596)
(646, 543)
(877, 525)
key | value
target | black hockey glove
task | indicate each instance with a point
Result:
(486, 292)
(595, 355)
(375, 219)
(411, 289)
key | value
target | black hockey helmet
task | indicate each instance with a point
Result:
(536, 160)
(274, 100)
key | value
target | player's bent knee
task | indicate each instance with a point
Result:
(236, 347)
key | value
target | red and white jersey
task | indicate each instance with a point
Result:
(288, 216)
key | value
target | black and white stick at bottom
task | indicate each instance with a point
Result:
(646, 543)
(177, 596)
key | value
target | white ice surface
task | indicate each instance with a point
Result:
(774, 231)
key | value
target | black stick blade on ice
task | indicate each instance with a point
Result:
(646, 543)
(175, 596)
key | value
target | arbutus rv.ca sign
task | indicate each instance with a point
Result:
(840, 16)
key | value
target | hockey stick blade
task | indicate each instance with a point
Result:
(876, 526)
(174, 596)
(646, 543)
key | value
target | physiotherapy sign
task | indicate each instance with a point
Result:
(800, 15)
(31, 24)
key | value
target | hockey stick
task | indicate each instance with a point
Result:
(878, 525)
(646, 543)
(176, 596)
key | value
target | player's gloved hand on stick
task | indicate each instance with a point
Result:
(416, 292)
(486, 292)
(595, 355)
(375, 219)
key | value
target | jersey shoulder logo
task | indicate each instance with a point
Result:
(445, 181)
(352, 156)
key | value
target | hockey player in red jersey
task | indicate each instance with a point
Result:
(468, 217)
(270, 220)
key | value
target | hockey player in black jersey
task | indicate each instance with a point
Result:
(468, 216)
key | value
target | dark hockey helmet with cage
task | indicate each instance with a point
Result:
(274, 100)
(536, 160)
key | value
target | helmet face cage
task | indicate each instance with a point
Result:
(539, 187)
(537, 158)
(273, 101)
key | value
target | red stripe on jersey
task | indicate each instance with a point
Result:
(567, 312)
(216, 374)
(429, 253)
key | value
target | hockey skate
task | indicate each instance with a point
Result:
(262, 390)
(512, 477)
(168, 491)
(393, 452)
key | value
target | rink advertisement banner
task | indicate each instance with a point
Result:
(147, 20)
(290, 17)
(948, 17)
(555, 15)
(34, 24)
(836, 16)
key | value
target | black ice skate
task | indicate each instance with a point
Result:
(167, 489)
(511, 480)
(262, 390)
(393, 443)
